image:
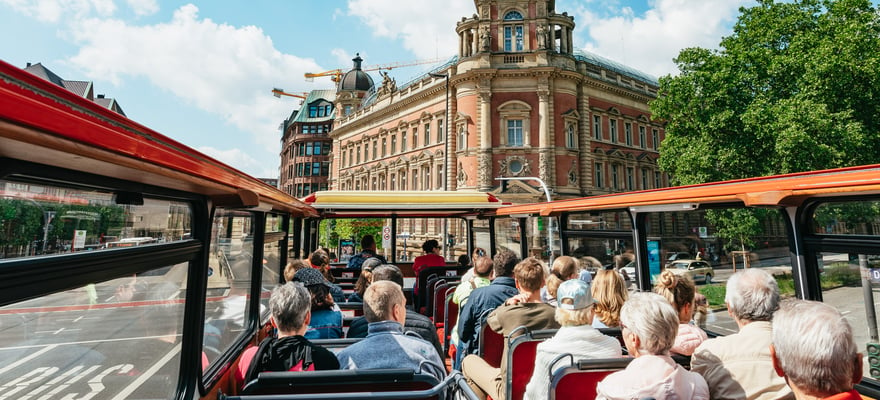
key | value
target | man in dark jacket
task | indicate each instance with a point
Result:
(415, 322)
(484, 299)
(368, 250)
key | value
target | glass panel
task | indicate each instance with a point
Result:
(539, 233)
(38, 220)
(112, 339)
(507, 235)
(271, 272)
(229, 280)
(481, 237)
(602, 250)
(850, 218)
(606, 220)
(710, 245)
(843, 287)
(273, 223)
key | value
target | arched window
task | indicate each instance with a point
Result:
(570, 137)
(513, 31)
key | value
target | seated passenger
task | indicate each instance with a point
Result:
(814, 350)
(564, 268)
(415, 323)
(739, 366)
(484, 299)
(292, 266)
(576, 337)
(321, 261)
(289, 306)
(525, 309)
(364, 280)
(680, 291)
(386, 345)
(326, 320)
(649, 324)
(609, 294)
(368, 250)
(482, 273)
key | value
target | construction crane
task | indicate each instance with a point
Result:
(336, 74)
(280, 92)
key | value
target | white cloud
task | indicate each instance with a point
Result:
(53, 11)
(649, 42)
(222, 69)
(342, 57)
(426, 27)
(240, 160)
(143, 7)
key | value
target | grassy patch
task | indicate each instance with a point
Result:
(840, 274)
(714, 294)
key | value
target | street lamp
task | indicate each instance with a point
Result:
(547, 194)
(404, 236)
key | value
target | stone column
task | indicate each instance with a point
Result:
(544, 138)
(484, 176)
(564, 43)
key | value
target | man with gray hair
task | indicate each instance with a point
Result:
(290, 309)
(386, 346)
(739, 366)
(814, 350)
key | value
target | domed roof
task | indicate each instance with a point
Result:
(356, 79)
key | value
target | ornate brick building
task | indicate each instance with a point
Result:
(520, 101)
(306, 145)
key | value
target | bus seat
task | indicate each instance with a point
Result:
(491, 345)
(439, 307)
(339, 381)
(335, 345)
(521, 354)
(353, 309)
(450, 318)
(579, 381)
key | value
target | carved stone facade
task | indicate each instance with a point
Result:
(522, 102)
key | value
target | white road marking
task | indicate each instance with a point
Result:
(147, 374)
(80, 342)
(28, 358)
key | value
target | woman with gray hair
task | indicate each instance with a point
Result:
(813, 348)
(649, 324)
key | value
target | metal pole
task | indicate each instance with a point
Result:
(547, 194)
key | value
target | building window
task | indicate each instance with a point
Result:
(462, 138)
(393, 144)
(513, 32)
(612, 129)
(358, 154)
(350, 157)
(415, 141)
(615, 174)
(313, 111)
(384, 146)
(515, 132)
(375, 149)
(347, 110)
(393, 181)
(628, 131)
(600, 181)
(655, 137)
(366, 152)
(630, 178)
(571, 137)
(645, 178)
(440, 133)
(403, 141)
(427, 178)
(658, 181)
(427, 134)
(643, 140)
(597, 127)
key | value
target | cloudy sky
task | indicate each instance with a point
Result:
(201, 72)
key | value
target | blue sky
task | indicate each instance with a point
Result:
(201, 72)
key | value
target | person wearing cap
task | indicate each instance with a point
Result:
(326, 320)
(574, 311)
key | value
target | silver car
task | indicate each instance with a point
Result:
(698, 270)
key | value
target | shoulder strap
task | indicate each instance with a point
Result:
(254, 369)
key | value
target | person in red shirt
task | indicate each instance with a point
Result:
(431, 258)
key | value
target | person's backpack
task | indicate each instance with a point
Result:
(285, 354)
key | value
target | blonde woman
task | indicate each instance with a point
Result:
(680, 292)
(609, 293)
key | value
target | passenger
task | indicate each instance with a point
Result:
(609, 294)
(649, 326)
(386, 345)
(368, 249)
(292, 266)
(415, 323)
(289, 307)
(680, 291)
(576, 337)
(589, 266)
(564, 268)
(464, 261)
(326, 321)
(482, 277)
(482, 300)
(431, 258)
(471, 262)
(527, 310)
(739, 366)
(321, 261)
(364, 279)
(814, 350)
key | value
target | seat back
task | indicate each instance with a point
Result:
(427, 302)
(339, 381)
(450, 318)
(579, 381)
(491, 345)
(521, 360)
(424, 274)
(439, 310)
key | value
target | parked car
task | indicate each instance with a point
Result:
(698, 270)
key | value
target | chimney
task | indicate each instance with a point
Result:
(28, 65)
(100, 96)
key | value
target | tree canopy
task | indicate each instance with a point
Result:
(796, 87)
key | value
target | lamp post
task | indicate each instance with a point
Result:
(547, 194)
(445, 155)
(404, 236)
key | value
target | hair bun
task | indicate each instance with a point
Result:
(667, 279)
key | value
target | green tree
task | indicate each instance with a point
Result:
(796, 87)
